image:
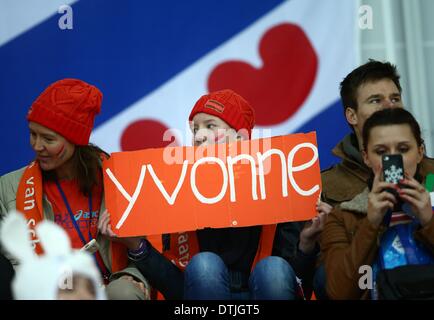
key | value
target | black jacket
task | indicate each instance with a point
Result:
(167, 278)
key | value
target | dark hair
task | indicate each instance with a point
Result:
(86, 164)
(371, 71)
(391, 116)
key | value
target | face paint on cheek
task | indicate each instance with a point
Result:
(59, 154)
(220, 138)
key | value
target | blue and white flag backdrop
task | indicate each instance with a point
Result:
(153, 59)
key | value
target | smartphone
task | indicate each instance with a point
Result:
(393, 168)
(393, 172)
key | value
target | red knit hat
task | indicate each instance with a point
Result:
(68, 107)
(228, 106)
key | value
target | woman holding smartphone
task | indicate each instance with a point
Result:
(366, 233)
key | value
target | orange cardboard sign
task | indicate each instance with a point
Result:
(245, 183)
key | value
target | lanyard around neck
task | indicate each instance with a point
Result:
(71, 214)
(99, 264)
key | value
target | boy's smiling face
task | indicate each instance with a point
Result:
(208, 129)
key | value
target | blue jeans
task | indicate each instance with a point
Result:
(319, 283)
(207, 278)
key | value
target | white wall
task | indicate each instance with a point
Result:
(403, 33)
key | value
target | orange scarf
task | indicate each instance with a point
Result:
(184, 245)
(29, 202)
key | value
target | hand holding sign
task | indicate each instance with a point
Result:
(311, 232)
(105, 228)
(245, 183)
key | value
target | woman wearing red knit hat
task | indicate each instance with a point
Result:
(259, 262)
(64, 183)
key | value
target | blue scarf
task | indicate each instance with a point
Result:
(399, 248)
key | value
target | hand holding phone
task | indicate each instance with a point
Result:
(393, 172)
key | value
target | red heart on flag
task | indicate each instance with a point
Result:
(144, 134)
(279, 88)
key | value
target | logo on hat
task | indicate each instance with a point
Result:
(215, 105)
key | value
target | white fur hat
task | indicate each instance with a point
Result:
(41, 277)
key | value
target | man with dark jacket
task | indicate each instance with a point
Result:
(372, 86)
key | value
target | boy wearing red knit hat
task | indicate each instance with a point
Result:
(231, 263)
(64, 183)
(223, 111)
